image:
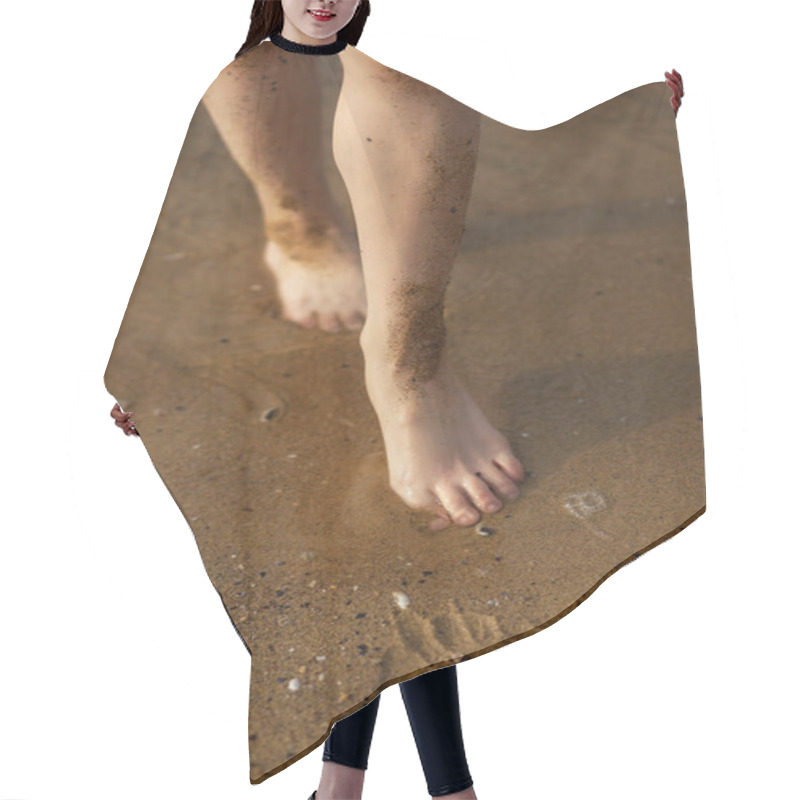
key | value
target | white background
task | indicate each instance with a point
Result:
(120, 673)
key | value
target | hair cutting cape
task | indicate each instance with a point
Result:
(570, 320)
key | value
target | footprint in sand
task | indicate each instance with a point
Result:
(585, 504)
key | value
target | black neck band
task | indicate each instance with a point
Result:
(310, 49)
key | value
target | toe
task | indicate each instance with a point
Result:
(329, 322)
(458, 506)
(500, 482)
(353, 322)
(511, 465)
(482, 496)
(431, 503)
(304, 320)
(440, 523)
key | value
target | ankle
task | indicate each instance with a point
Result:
(307, 232)
(413, 355)
(339, 782)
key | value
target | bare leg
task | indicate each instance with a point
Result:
(339, 782)
(407, 155)
(266, 107)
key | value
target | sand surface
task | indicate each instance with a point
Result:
(570, 320)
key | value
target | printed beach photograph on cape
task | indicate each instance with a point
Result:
(568, 317)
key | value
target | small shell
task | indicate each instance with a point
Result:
(294, 685)
(401, 599)
(485, 530)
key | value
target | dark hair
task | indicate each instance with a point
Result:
(266, 19)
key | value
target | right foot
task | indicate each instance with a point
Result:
(323, 289)
(444, 455)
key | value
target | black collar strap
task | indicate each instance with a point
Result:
(310, 49)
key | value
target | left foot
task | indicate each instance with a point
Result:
(330, 296)
(318, 276)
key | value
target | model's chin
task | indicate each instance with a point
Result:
(315, 33)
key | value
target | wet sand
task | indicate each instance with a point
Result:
(569, 318)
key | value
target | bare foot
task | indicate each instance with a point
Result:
(443, 454)
(323, 288)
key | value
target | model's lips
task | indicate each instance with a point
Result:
(323, 15)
